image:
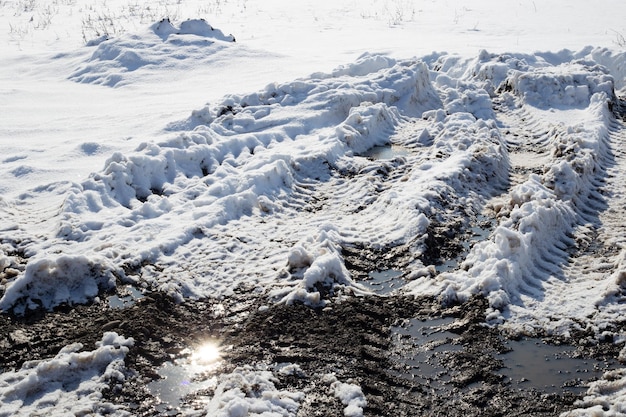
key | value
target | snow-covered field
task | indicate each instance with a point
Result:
(226, 146)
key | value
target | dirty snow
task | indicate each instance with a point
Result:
(69, 383)
(250, 392)
(225, 147)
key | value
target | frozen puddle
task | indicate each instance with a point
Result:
(386, 152)
(549, 368)
(185, 376)
(385, 281)
(125, 301)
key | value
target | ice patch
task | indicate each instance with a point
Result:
(385, 281)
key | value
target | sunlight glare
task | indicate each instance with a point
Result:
(206, 354)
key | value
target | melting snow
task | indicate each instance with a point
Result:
(266, 188)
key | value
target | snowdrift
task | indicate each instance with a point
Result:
(116, 61)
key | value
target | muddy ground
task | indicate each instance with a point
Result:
(361, 339)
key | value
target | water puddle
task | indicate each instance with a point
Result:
(386, 152)
(424, 348)
(125, 301)
(421, 342)
(549, 368)
(383, 282)
(185, 376)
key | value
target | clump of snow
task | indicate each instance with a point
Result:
(50, 281)
(614, 62)
(4, 261)
(248, 391)
(314, 267)
(165, 45)
(350, 394)
(569, 84)
(197, 27)
(605, 397)
(71, 383)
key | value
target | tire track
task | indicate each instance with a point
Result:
(592, 276)
(589, 261)
(526, 138)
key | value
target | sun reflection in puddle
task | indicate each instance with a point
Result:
(207, 354)
(189, 373)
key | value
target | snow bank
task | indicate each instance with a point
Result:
(520, 252)
(251, 392)
(249, 164)
(268, 188)
(232, 192)
(70, 383)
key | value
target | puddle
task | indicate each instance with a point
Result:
(384, 281)
(423, 347)
(386, 152)
(185, 376)
(177, 381)
(115, 301)
(420, 343)
(549, 368)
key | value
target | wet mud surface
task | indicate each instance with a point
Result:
(410, 356)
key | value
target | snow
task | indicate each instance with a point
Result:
(351, 396)
(605, 397)
(69, 383)
(172, 155)
(250, 392)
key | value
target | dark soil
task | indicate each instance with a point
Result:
(354, 339)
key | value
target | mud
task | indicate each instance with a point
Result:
(457, 368)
